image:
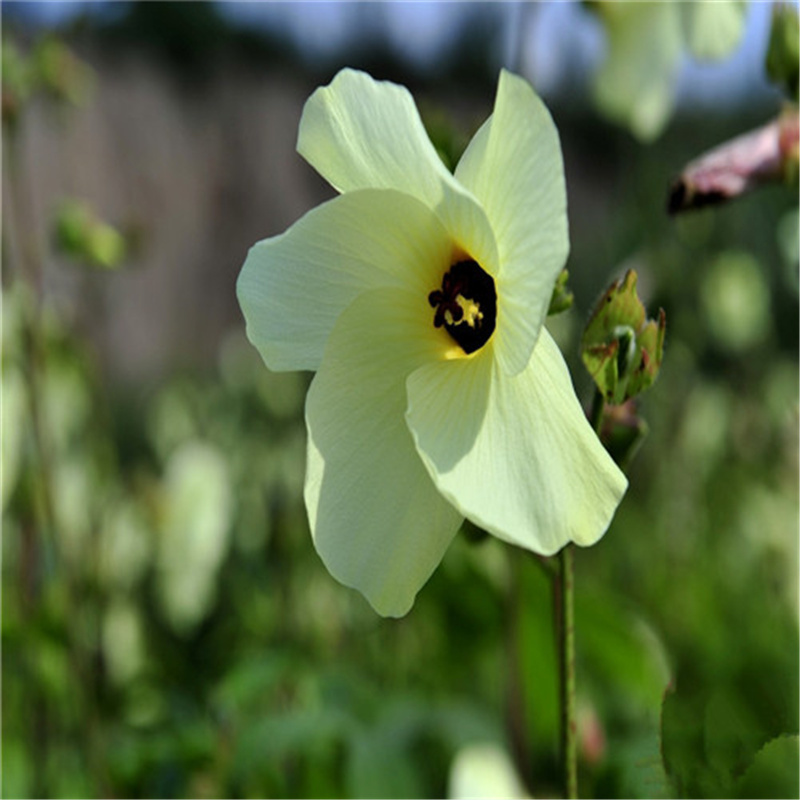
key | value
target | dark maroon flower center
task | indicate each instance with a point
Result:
(466, 305)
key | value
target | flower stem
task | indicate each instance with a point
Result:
(566, 617)
(597, 411)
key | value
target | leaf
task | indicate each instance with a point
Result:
(83, 237)
(562, 298)
(13, 424)
(379, 766)
(712, 728)
(774, 771)
(731, 734)
(250, 685)
(681, 741)
(783, 51)
(650, 343)
(626, 657)
(538, 706)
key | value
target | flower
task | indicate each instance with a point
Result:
(635, 84)
(419, 298)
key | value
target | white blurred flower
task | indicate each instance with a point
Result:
(194, 534)
(483, 770)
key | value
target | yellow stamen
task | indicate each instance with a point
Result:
(472, 311)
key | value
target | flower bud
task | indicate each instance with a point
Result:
(621, 348)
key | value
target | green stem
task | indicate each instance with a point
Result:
(598, 409)
(569, 728)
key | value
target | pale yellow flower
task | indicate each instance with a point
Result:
(419, 299)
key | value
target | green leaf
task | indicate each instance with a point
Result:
(106, 246)
(380, 766)
(774, 771)
(682, 744)
(650, 346)
(18, 81)
(19, 766)
(783, 51)
(627, 659)
(61, 73)
(252, 683)
(13, 424)
(83, 237)
(563, 297)
(731, 734)
(537, 702)
(712, 729)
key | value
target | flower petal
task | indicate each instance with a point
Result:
(360, 133)
(378, 521)
(292, 287)
(635, 84)
(515, 455)
(514, 168)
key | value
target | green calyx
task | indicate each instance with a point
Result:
(621, 348)
(562, 297)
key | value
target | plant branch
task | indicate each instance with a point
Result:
(597, 411)
(565, 600)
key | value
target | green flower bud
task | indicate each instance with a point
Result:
(621, 348)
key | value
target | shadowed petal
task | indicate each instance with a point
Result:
(378, 521)
(515, 455)
(514, 168)
(293, 287)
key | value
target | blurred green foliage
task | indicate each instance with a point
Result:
(168, 629)
(50, 69)
(562, 298)
(783, 52)
(84, 238)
